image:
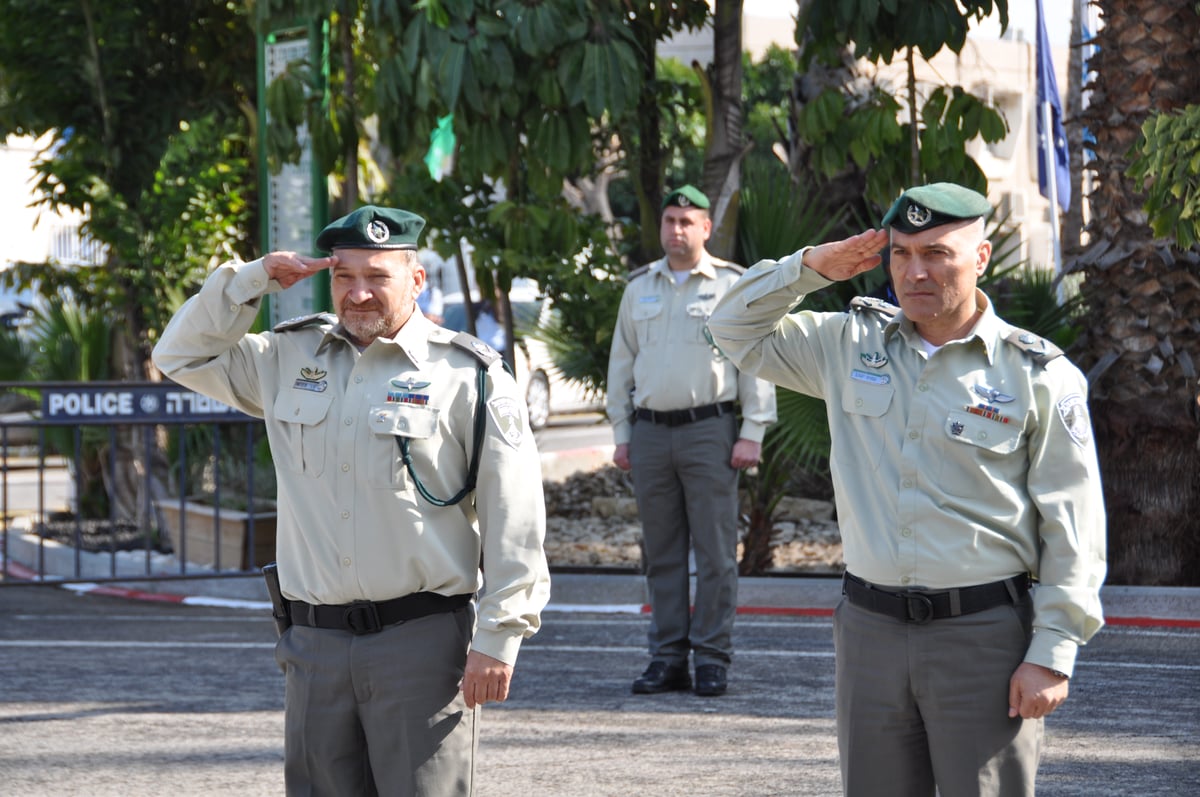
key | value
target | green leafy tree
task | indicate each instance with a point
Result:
(1167, 163)
(533, 90)
(145, 104)
(139, 98)
(839, 117)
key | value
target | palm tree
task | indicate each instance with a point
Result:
(1141, 341)
(725, 147)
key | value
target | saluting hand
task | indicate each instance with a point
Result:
(288, 268)
(841, 260)
(485, 679)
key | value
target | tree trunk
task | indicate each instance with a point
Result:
(757, 558)
(1141, 341)
(649, 157)
(725, 147)
(345, 40)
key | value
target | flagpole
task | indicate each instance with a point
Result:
(1047, 145)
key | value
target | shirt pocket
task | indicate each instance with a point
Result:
(865, 405)
(415, 422)
(980, 452)
(648, 321)
(301, 421)
(697, 321)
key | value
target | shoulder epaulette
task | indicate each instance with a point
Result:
(300, 322)
(476, 348)
(637, 272)
(879, 306)
(729, 265)
(1038, 348)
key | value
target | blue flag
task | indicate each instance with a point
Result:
(1047, 91)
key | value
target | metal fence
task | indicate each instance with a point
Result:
(131, 481)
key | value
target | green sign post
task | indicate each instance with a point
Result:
(295, 204)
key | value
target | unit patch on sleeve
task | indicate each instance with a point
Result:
(507, 415)
(1073, 411)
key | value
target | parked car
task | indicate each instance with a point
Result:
(16, 308)
(546, 392)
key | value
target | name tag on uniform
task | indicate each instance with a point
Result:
(874, 379)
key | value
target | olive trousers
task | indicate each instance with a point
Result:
(925, 707)
(379, 713)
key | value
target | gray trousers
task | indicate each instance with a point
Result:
(379, 713)
(687, 496)
(925, 706)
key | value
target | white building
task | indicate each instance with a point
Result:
(33, 233)
(1000, 69)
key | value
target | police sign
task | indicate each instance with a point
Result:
(132, 402)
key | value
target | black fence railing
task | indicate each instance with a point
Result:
(131, 481)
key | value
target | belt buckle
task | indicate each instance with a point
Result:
(362, 617)
(918, 606)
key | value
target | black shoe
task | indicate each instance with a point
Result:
(661, 677)
(710, 680)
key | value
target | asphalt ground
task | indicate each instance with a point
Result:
(103, 695)
(146, 688)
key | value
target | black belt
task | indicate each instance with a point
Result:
(368, 617)
(680, 417)
(923, 606)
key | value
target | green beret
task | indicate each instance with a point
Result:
(372, 227)
(928, 206)
(686, 197)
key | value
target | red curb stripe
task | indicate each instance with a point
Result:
(19, 571)
(787, 611)
(795, 611)
(135, 594)
(1145, 622)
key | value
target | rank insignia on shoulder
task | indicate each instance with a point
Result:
(1038, 348)
(300, 322)
(879, 306)
(476, 347)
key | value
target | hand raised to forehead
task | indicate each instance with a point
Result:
(288, 268)
(841, 260)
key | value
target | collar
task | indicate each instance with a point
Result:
(989, 330)
(704, 267)
(413, 338)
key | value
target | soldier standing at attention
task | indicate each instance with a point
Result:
(403, 452)
(673, 402)
(964, 468)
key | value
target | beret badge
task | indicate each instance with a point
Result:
(378, 232)
(919, 216)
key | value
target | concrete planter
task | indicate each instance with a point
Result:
(198, 531)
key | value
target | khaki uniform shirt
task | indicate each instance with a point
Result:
(351, 523)
(663, 359)
(965, 467)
